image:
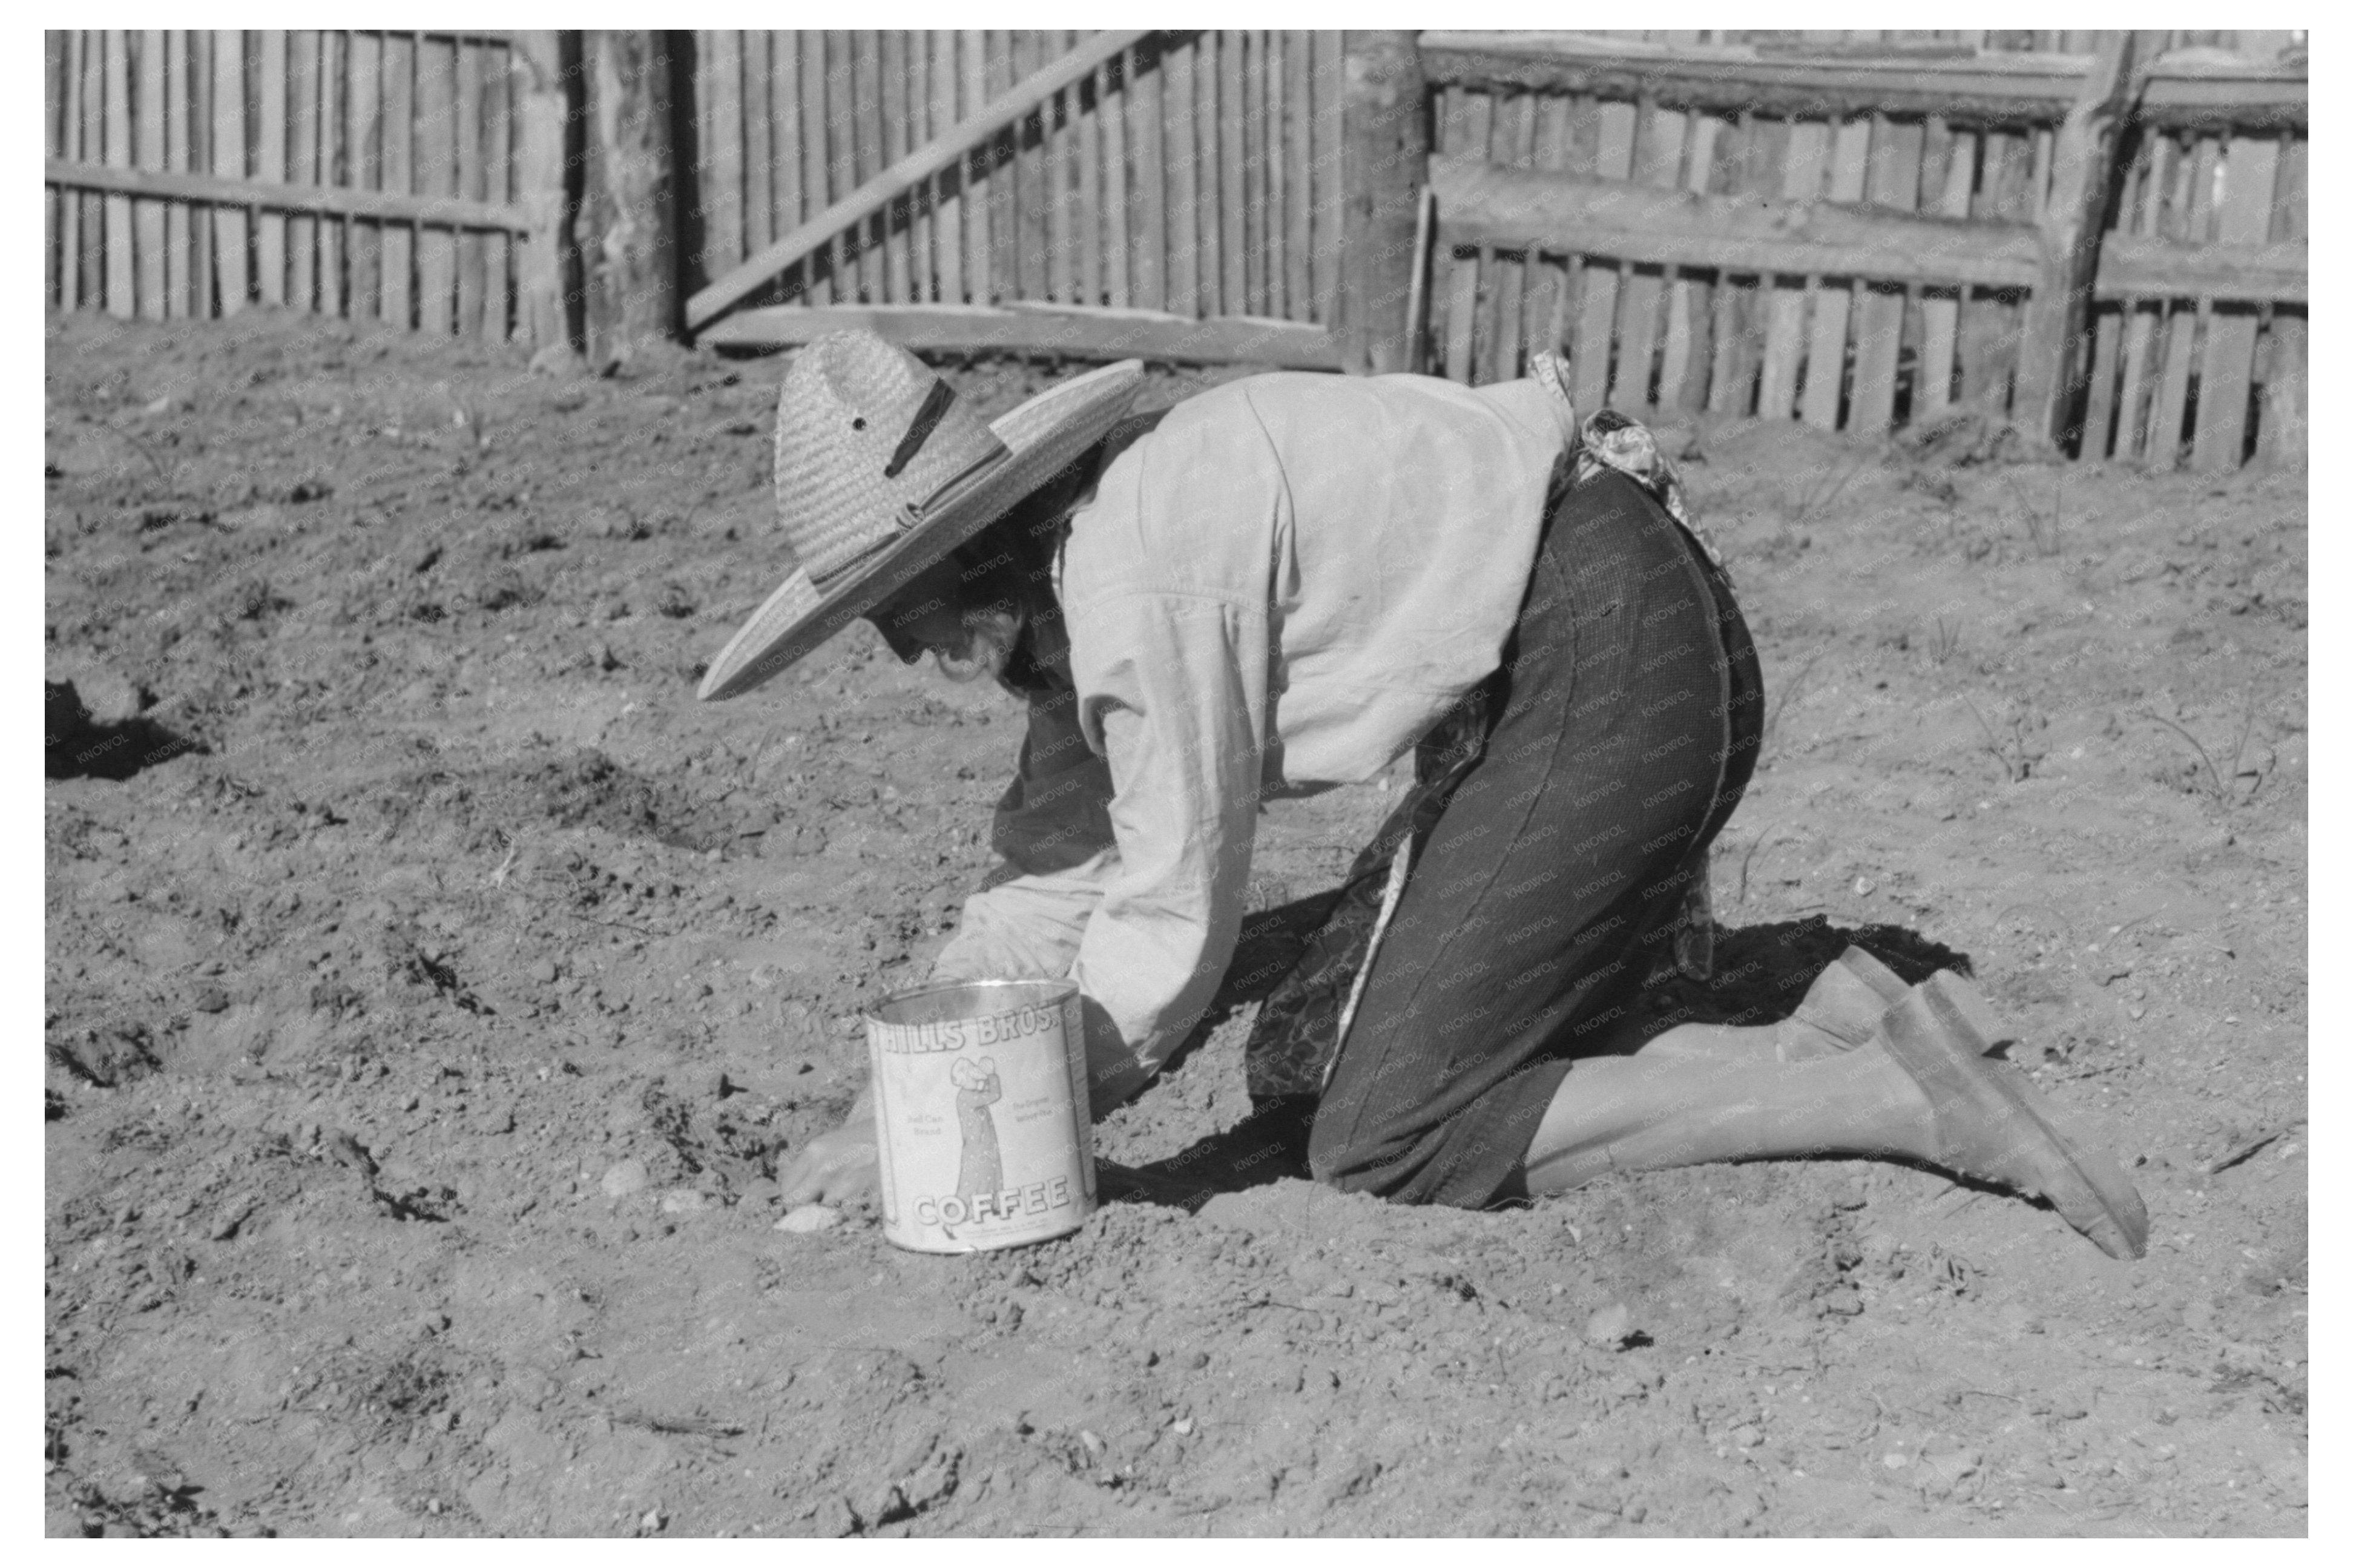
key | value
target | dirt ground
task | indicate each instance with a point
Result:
(432, 988)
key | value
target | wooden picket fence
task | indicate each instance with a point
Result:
(368, 174)
(1844, 229)
(1659, 307)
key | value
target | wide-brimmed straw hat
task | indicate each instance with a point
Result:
(881, 471)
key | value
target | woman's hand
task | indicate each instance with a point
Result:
(836, 1167)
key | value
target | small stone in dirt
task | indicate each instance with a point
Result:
(224, 1225)
(494, 1118)
(543, 971)
(626, 1177)
(761, 1193)
(681, 1201)
(1182, 1426)
(212, 998)
(1895, 1461)
(1198, 1359)
(810, 1218)
(1610, 1325)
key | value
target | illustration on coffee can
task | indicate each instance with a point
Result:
(980, 1112)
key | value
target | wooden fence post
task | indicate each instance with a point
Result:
(1386, 165)
(2054, 349)
(628, 210)
(543, 104)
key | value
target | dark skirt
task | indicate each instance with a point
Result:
(1624, 726)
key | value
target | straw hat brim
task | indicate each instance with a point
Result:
(1042, 437)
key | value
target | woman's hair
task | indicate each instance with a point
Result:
(1007, 585)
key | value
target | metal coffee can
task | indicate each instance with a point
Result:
(980, 1114)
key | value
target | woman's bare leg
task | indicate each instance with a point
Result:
(1702, 1093)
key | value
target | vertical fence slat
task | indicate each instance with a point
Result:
(1784, 298)
(120, 294)
(2225, 378)
(364, 169)
(147, 152)
(1659, 151)
(53, 96)
(1833, 304)
(1085, 136)
(1614, 160)
(949, 239)
(816, 181)
(1210, 227)
(1940, 315)
(841, 153)
(1007, 217)
(498, 185)
(1684, 351)
(864, 109)
(750, 117)
(437, 251)
(783, 128)
(1181, 136)
(979, 185)
(1116, 105)
(1024, 237)
(334, 77)
(473, 260)
(1515, 142)
(719, 105)
(1257, 241)
(1147, 189)
(2187, 216)
(889, 106)
(201, 218)
(397, 120)
(269, 164)
(302, 164)
(925, 118)
(2283, 437)
(1233, 274)
(1291, 175)
(68, 291)
(172, 105)
(228, 163)
(1894, 182)
(91, 291)
(1330, 91)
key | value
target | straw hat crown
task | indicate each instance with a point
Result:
(866, 436)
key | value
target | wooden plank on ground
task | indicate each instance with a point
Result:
(1180, 139)
(1073, 332)
(437, 248)
(2226, 378)
(228, 161)
(1826, 345)
(269, 165)
(397, 114)
(1894, 183)
(121, 295)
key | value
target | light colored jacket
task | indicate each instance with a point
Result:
(1280, 588)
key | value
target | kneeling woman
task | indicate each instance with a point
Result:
(1284, 584)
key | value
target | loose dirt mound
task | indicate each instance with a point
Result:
(428, 1008)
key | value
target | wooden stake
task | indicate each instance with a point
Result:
(628, 207)
(2052, 353)
(1386, 166)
